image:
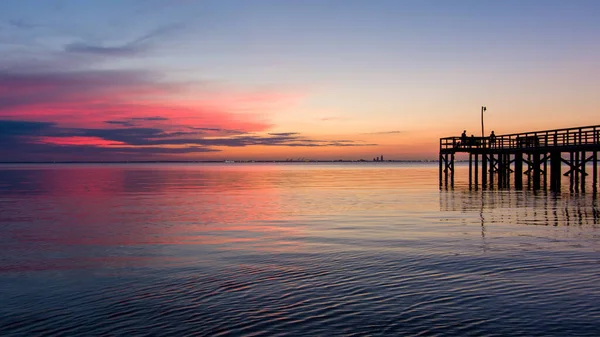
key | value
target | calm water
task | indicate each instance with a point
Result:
(303, 249)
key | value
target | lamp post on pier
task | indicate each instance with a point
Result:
(482, 110)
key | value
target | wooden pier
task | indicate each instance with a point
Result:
(493, 160)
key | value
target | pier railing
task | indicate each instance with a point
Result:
(558, 138)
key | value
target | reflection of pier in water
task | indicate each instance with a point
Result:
(537, 152)
(524, 207)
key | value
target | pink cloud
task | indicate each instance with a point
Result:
(89, 98)
(77, 140)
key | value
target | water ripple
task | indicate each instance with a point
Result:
(273, 250)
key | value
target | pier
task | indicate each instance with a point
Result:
(537, 156)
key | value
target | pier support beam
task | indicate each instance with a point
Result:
(546, 158)
(484, 165)
(595, 170)
(441, 160)
(576, 172)
(508, 170)
(470, 170)
(583, 174)
(555, 174)
(537, 169)
(492, 163)
(446, 169)
(571, 175)
(529, 170)
(500, 170)
(519, 170)
(452, 170)
(476, 170)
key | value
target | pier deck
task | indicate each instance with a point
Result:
(506, 155)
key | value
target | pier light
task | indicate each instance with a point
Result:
(482, 110)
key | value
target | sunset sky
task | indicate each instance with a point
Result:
(114, 80)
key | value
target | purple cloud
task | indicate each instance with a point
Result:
(23, 138)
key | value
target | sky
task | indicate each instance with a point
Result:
(114, 80)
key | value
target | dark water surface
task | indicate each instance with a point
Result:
(280, 249)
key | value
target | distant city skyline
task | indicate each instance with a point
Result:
(184, 80)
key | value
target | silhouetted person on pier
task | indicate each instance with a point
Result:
(472, 141)
(492, 139)
(463, 139)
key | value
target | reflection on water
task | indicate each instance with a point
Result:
(524, 207)
(303, 249)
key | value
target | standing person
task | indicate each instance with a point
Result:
(463, 138)
(492, 139)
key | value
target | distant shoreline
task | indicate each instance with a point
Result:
(220, 162)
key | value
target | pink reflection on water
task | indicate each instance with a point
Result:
(73, 210)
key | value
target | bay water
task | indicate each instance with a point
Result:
(303, 249)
